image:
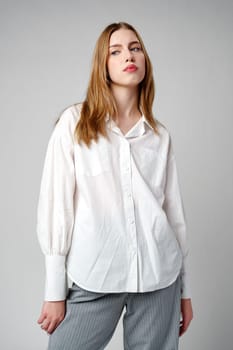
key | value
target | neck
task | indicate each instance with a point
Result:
(126, 102)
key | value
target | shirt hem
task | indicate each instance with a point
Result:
(161, 286)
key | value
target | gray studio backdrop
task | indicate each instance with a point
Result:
(46, 49)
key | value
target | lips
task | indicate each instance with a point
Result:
(131, 68)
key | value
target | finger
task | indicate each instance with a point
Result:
(45, 325)
(41, 318)
(182, 324)
(183, 328)
(52, 327)
(182, 331)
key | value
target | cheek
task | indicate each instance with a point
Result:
(112, 68)
(143, 62)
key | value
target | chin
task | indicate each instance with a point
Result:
(128, 84)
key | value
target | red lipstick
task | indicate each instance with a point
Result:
(131, 68)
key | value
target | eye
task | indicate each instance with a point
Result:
(116, 52)
(135, 49)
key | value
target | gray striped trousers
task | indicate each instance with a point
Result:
(150, 321)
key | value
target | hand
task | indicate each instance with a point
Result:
(52, 314)
(187, 315)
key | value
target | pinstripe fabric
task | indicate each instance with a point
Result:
(150, 321)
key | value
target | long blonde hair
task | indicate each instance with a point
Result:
(99, 100)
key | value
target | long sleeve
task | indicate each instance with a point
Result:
(55, 213)
(173, 206)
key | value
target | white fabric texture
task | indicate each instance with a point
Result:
(110, 217)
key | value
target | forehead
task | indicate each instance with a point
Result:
(122, 36)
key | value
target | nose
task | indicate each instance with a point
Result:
(129, 56)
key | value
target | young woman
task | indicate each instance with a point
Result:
(110, 215)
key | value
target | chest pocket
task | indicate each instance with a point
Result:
(93, 161)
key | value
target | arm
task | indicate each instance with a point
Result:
(55, 217)
(173, 206)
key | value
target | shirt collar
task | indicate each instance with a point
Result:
(146, 122)
(137, 130)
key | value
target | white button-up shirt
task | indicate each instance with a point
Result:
(111, 218)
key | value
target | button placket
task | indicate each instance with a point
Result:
(125, 163)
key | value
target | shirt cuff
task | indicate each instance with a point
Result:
(185, 287)
(56, 281)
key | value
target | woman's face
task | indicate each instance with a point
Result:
(126, 60)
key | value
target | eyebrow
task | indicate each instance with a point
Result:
(132, 42)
